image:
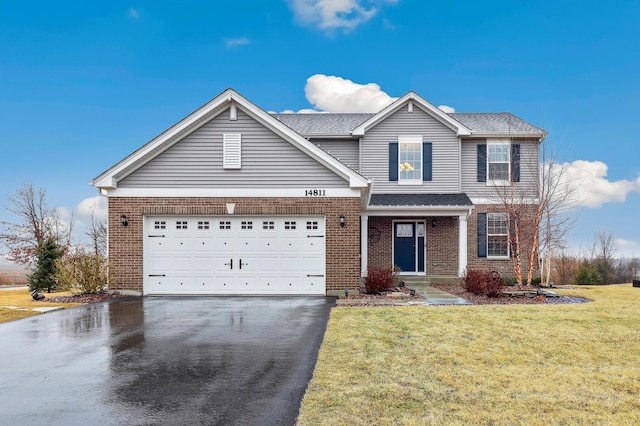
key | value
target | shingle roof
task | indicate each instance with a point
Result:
(336, 124)
(420, 200)
(323, 123)
(496, 123)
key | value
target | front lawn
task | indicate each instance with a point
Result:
(21, 298)
(491, 364)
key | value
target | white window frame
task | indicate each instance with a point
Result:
(489, 234)
(231, 150)
(498, 142)
(410, 140)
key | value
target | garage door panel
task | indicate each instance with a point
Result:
(203, 255)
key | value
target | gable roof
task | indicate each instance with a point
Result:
(225, 100)
(415, 99)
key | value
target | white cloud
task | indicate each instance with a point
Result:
(621, 242)
(336, 94)
(133, 14)
(335, 14)
(96, 204)
(447, 109)
(233, 42)
(593, 189)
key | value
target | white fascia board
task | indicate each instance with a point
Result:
(497, 201)
(108, 178)
(233, 192)
(416, 211)
(461, 130)
(508, 136)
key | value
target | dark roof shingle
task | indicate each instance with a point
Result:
(457, 200)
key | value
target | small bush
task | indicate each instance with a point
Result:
(83, 272)
(589, 275)
(379, 279)
(484, 282)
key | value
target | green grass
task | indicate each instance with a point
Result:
(22, 298)
(489, 365)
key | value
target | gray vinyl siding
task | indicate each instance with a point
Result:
(528, 167)
(446, 152)
(345, 150)
(267, 161)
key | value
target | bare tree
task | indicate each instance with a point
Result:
(97, 233)
(35, 222)
(536, 207)
(602, 254)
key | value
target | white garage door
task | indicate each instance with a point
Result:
(234, 255)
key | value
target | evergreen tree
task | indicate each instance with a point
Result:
(45, 267)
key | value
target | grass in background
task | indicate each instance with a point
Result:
(491, 364)
(22, 298)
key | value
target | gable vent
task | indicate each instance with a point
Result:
(231, 145)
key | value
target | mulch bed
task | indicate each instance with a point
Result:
(476, 299)
(83, 298)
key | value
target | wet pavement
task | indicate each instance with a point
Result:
(169, 360)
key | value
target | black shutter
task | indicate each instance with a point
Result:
(515, 162)
(482, 162)
(482, 235)
(393, 161)
(427, 161)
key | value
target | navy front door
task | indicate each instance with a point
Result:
(408, 246)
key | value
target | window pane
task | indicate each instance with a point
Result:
(498, 171)
(499, 153)
(411, 161)
(497, 246)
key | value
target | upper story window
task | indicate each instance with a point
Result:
(498, 162)
(410, 159)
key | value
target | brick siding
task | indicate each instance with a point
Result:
(342, 243)
(441, 243)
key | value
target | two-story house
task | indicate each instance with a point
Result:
(234, 200)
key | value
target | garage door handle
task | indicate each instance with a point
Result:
(157, 275)
(156, 236)
(315, 236)
(242, 263)
(308, 275)
(231, 263)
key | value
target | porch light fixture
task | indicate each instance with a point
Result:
(342, 221)
(433, 223)
(123, 220)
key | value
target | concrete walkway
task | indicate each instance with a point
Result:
(435, 296)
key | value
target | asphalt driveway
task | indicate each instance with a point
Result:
(169, 360)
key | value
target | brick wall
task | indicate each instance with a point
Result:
(441, 243)
(342, 243)
(504, 266)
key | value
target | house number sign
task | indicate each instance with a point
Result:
(315, 193)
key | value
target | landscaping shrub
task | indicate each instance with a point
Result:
(43, 275)
(87, 273)
(484, 282)
(379, 279)
(588, 274)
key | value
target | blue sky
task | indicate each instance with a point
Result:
(83, 84)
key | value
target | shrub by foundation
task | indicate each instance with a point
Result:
(379, 279)
(488, 283)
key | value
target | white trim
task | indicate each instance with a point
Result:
(429, 108)
(413, 211)
(496, 200)
(231, 192)
(364, 245)
(462, 245)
